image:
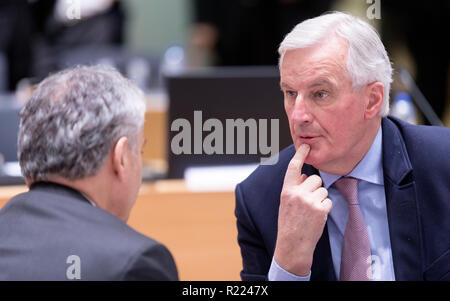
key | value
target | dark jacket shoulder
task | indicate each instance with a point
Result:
(49, 223)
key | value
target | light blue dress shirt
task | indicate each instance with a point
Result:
(372, 200)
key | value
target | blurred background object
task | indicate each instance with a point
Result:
(415, 30)
(248, 32)
(16, 26)
(255, 96)
(65, 28)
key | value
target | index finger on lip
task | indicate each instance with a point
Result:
(294, 170)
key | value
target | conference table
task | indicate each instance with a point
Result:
(199, 228)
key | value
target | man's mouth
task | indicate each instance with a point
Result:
(308, 138)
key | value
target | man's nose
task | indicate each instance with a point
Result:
(302, 112)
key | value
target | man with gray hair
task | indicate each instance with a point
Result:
(359, 195)
(80, 143)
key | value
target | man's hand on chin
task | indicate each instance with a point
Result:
(304, 208)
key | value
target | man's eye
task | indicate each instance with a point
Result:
(320, 94)
(291, 93)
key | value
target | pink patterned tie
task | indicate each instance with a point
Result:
(356, 263)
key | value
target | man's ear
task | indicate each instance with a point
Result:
(119, 159)
(375, 94)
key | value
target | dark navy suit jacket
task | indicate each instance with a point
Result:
(41, 228)
(416, 167)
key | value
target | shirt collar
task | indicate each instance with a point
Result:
(92, 203)
(369, 169)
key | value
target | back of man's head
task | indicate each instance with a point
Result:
(72, 120)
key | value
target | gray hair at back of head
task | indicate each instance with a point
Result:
(73, 119)
(367, 59)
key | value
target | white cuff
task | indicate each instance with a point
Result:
(276, 273)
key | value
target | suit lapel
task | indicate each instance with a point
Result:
(401, 203)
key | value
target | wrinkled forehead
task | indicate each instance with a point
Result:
(325, 59)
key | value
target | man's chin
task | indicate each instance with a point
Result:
(310, 161)
(313, 160)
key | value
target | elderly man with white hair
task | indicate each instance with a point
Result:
(79, 147)
(359, 195)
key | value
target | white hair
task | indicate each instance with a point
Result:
(72, 120)
(367, 59)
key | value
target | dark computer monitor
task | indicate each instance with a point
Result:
(9, 128)
(224, 93)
